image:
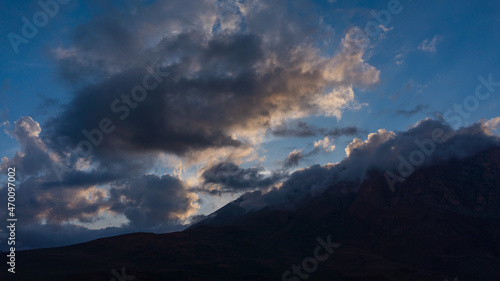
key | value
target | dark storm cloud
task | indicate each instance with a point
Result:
(153, 126)
(215, 84)
(100, 40)
(115, 40)
(229, 177)
(151, 201)
(83, 179)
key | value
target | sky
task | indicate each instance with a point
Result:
(124, 116)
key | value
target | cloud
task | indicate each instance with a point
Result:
(297, 155)
(381, 151)
(346, 131)
(297, 128)
(373, 141)
(33, 157)
(228, 78)
(429, 45)
(55, 216)
(226, 177)
(52, 200)
(152, 201)
(293, 159)
(222, 90)
(491, 124)
(297, 187)
(409, 113)
(87, 191)
(325, 144)
(419, 88)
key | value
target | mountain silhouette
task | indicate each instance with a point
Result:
(442, 222)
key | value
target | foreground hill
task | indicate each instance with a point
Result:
(442, 222)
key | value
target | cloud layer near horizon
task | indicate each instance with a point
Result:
(382, 151)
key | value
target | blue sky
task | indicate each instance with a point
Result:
(467, 36)
(426, 59)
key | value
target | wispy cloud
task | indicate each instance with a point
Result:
(406, 112)
(418, 88)
(429, 45)
(302, 129)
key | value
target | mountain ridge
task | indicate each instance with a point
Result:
(432, 227)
